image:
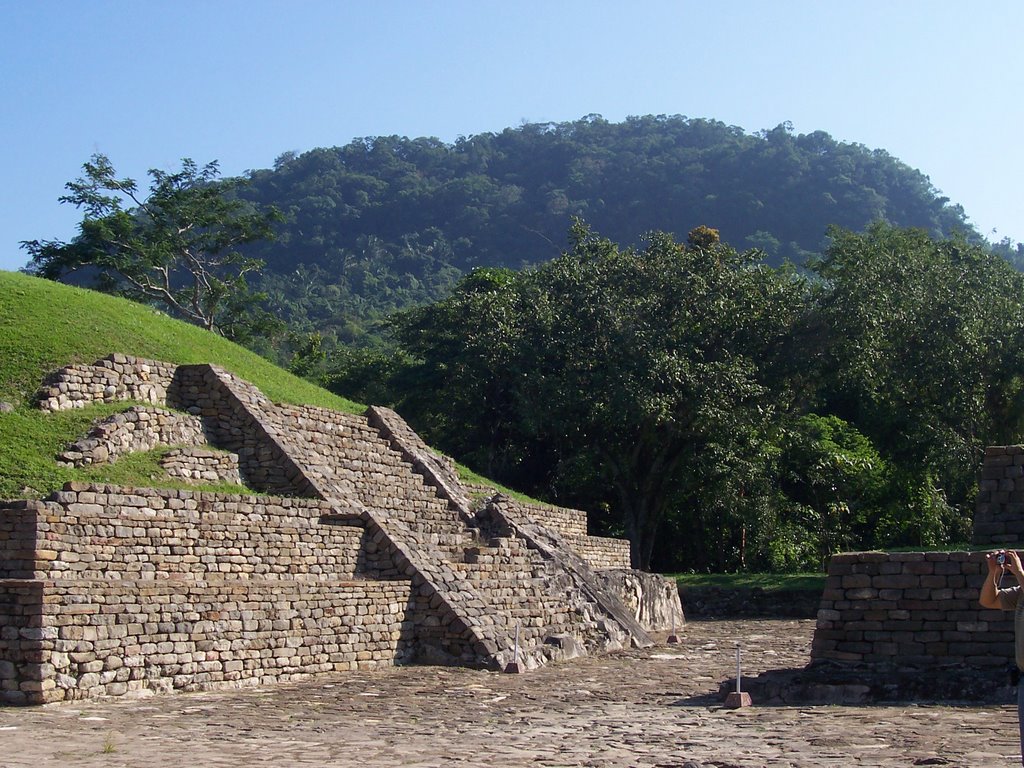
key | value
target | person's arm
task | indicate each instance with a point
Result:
(989, 596)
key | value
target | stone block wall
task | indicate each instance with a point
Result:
(136, 429)
(999, 515)
(107, 590)
(107, 532)
(371, 515)
(602, 553)
(198, 465)
(724, 602)
(910, 609)
(72, 639)
(114, 378)
(568, 522)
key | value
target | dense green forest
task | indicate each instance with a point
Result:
(387, 222)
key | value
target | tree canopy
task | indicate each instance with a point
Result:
(178, 246)
(723, 413)
(613, 368)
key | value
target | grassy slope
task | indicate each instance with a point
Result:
(45, 326)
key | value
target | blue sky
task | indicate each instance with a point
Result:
(937, 84)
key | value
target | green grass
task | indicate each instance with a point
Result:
(467, 475)
(770, 582)
(45, 326)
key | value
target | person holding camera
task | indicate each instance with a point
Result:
(1008, 599)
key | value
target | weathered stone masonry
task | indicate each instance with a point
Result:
(999, 516)
(123, 590)
(908, 624)
(374, 554)
(910, 608)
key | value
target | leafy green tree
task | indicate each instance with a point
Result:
(610, 371)
(470, 360)
(836, 477)
(921, 348)
(178, 246)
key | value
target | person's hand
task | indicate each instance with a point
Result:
(1014, 566)
(995, 568)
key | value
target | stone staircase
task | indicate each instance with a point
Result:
(378, 465)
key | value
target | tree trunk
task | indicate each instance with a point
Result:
(641, 527)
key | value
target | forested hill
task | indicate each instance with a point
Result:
(385, 222)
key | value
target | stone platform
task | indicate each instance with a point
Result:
(357, 548)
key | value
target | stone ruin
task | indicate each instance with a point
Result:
(359, 549)
(908, 625)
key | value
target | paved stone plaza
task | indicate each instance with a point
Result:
(655, 707)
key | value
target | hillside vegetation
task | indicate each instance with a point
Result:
(386, 222)
(45, 326)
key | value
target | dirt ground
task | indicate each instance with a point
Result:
(655, 707)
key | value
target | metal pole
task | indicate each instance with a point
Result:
(516, 655)
(737, 668)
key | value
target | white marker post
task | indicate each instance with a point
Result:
(738, 698)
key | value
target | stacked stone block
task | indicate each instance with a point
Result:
(198, 465)
(568, 522)
(97, 532)
(73, 639)
(136, 429)
(602, 552)
(999, 515)
(112, 379)
(910, 609)
(377, 557)
(107, 590)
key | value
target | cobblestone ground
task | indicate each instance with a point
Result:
(655, 707)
